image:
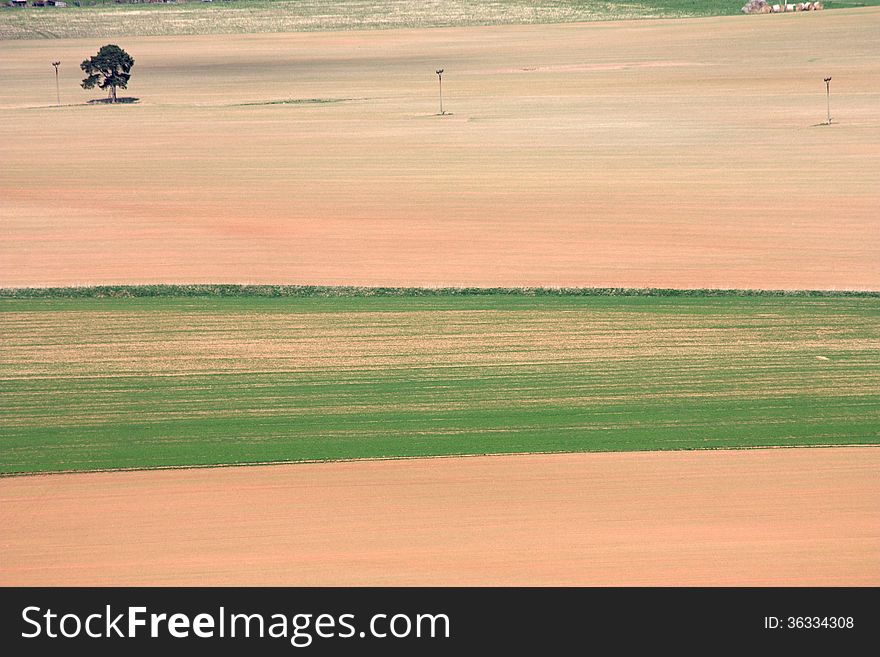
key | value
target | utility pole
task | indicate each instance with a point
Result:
(828, 97)
(440, 77)
(57, 89)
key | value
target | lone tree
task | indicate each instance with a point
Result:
(109, 69)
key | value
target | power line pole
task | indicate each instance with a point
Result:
(828, 97)
(57, 89)
(440, 77)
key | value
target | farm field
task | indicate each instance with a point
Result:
(761, 517)
(718, 245)
(667, 153)
(97, 18)
(140, 383)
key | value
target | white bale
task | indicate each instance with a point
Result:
(755, 7)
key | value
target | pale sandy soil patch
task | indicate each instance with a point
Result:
(97, 343)
(654, 153)
(761, 517)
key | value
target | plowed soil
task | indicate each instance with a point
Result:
(669, 153)
(757, 517)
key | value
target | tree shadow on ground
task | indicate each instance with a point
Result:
(119, 101)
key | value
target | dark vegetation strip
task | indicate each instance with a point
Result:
(245, 291)
(292, 101)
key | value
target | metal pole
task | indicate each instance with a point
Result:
(440, 77)
(828, 97)
(57, 88)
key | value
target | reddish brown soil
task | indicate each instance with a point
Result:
(768, 517)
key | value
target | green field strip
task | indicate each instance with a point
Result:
(102, 383)
(97, 18)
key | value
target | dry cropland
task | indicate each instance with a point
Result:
(665, 429)
(624, 154)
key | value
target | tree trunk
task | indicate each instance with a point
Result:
(113, 93)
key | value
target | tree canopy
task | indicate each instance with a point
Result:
(109, 69)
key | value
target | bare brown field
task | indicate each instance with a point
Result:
(760, 517)
(658, 153)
